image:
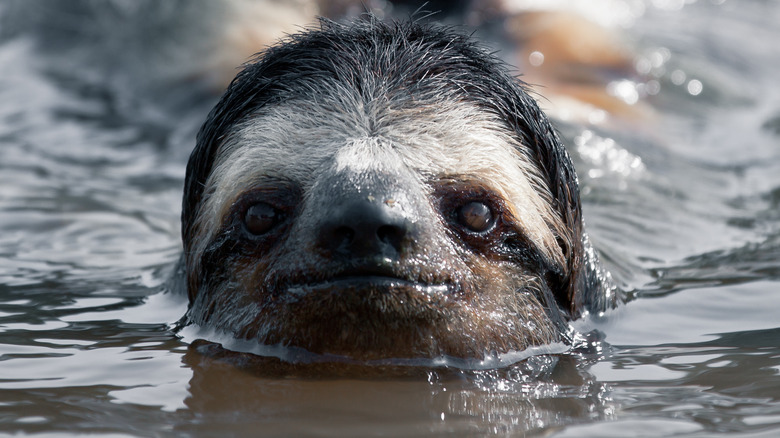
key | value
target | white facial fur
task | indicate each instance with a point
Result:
(450, 140)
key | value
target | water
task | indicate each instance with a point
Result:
(683, 205)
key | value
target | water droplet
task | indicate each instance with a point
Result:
(536, 58)
(678, 77)
(695, 87)
(624, 90)
(643, 66)
(652, 87)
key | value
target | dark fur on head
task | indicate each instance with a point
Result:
(423, 62)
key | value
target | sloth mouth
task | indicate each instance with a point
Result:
(367, 299)
(353, 309)
(368, 279)
(352, 282)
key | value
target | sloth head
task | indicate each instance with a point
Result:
(384, 191)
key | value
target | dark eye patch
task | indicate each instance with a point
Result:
(479, 217)
(263, 211)
(477, 214)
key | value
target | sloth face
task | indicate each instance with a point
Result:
(378, 191)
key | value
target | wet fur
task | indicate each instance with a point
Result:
(424, 111)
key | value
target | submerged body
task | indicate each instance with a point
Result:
(385, 191)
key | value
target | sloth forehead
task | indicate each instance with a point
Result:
(301, 140)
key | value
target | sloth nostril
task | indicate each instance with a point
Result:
(392, 235)
(343, 236)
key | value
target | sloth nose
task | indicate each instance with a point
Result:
(365, 228)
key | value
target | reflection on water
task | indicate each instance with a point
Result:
(496, 402)
(683, 205)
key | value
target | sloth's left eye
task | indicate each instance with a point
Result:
(260, 218)
(476, 216)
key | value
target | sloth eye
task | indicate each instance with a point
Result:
(476, 216)
(260, 218)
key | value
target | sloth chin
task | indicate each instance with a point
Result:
(364, 317)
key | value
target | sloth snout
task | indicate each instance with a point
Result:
(365, 228)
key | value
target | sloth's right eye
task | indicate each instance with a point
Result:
(260, 218)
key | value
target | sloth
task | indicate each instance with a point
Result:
(374, 190)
